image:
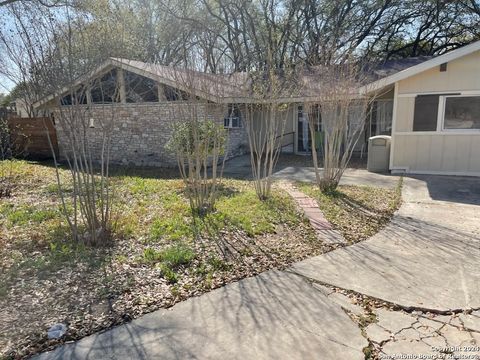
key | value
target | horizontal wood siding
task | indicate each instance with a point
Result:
(29, 137)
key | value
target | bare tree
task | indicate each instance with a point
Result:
(343, 110)
(265, 119)
(53, 54)
(88, 159)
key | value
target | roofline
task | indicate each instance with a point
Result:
(426, 65)
(78, 82)
(143, 72)
(121, 63)
(373, 86)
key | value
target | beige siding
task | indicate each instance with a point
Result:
(462, 74)
(405, 107)
(437, 151)
(260, 124)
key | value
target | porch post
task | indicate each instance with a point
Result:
(121, 83)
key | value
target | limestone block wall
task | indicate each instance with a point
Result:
(139, 132)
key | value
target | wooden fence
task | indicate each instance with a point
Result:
(29, 137)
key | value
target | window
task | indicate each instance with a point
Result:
(173, 94)
(316, 115)
(139, 88)
(105, 89)
(78, 97)
(425, 113)
(462, 112)
(381, 117)
(233, 118)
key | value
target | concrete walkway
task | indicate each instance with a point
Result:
(275, 315)
(427, 257)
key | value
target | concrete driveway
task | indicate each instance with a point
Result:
(428, 257)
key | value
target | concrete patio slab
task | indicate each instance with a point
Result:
(276, 315)
(427, 257)
(239, 167)
(351, 177)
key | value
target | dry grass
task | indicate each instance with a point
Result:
(358, 212)
(160, 254)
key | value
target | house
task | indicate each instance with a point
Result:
(430, 107)
(436, 114)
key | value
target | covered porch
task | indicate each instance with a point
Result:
(298, 139)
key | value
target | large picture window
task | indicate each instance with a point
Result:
(462, 112)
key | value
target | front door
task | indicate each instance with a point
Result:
(382, 115)
(304, 136)
(303, 133)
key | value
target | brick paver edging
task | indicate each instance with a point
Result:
(310, 208)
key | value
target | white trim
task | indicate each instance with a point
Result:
(440, 112)
(447, 173)
(230, 122)
(405, 170)
(427, 65)
(394, 124)
(443, 102)
(460, 92)
(437, 133)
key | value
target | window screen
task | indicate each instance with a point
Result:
(426, 112)
(462, 112)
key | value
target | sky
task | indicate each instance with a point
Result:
(5, 22)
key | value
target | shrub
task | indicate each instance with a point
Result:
(198, 145)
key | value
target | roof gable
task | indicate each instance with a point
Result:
(421, 67)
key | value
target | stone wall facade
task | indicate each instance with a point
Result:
(140, 133)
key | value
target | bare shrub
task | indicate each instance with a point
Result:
(265, 125)
(198, 143)
(10, 147)
(343, 110)
(90, 217)
(265, 119)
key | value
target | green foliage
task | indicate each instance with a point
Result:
(150, 255)
(26, 214)
(173, 256)
(177, 255)
(254, 216)
(173, 228)
(170, 259)
(197, 138)
(170, 275)
(138, 185)
(356, 211)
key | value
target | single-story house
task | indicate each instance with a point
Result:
(429, 106)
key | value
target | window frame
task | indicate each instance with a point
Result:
(230, 118)
(441, 114)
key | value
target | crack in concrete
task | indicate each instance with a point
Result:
(376, 348)
(408, 309)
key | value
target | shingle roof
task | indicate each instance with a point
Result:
(393, 66)
(237, 87)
